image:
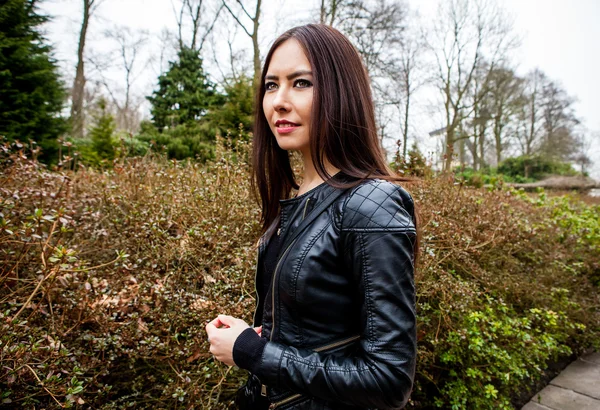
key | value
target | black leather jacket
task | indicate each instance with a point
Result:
(340, 315)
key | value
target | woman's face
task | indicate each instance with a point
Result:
(287, 103)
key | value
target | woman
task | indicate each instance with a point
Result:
(335, 317)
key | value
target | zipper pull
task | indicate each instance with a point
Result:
(278, 231)
(263, 390)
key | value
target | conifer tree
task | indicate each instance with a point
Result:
(184, 93)
(102, 132)
(236, 110)
(31, 93)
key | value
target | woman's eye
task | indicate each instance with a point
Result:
(270, 86)
(302, 83)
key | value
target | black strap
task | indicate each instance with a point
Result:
(328, 200)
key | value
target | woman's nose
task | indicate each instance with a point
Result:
(281, 101)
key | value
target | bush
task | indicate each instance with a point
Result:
(478, 179)
(528, 168)
(108, 277)
(415, 165)
(180, 142)
(496, 292)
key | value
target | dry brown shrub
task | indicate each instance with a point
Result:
(108, 277)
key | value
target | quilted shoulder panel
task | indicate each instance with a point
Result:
(378, 205)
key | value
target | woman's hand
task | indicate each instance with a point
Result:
(222, 333)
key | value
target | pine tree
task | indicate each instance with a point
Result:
(102, 132)
(184, 93)
(31, 93)
(236, 110)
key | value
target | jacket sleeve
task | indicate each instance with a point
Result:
(377, 236)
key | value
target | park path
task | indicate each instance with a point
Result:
(577, 387)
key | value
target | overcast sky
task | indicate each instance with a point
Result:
(560, 37)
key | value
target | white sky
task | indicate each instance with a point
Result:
(560, 37)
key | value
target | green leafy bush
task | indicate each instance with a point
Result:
(478, 179)
(180, 142)
(526, 168)
(580, 227)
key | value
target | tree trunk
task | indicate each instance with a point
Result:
(405, 130)
(256, 22)
(481, 141)
(532, 124)
(498, 136)
(449, 148)
(77, 118)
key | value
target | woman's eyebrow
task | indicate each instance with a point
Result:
(290, 76)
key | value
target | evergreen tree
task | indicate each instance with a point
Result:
(31, 94)
(184, 93)
(236, 110)
(102, 132)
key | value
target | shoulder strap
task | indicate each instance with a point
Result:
(328, 200)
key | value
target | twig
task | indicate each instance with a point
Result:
(53, 271)
(44, 387)
(91, 267)
(218, 385)
(46, 244)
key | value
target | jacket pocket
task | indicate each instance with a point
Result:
(295, 399)
(289, 402)
(330, 347)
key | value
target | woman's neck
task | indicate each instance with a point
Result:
(310, 176)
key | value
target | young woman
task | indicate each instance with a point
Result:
(335, 316)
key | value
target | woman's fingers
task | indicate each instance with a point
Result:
(223, 322)
(212, 326)
(222, 333)
(228, 321)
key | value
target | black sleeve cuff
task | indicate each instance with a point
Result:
(248, 349)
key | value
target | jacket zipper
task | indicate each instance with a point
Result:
(285, 401)
(263, 390)
(275, 276)
(318, 349)
(273, 289)
(255, 282)
(337, 344)
(305, 207)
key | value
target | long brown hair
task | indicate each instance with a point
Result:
(343, 130)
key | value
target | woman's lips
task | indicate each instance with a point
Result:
(286, 128)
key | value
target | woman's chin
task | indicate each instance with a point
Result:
(287, 146)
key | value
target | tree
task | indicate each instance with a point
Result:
(376, 29)
(184, 93)
(480, 117)
(129, 47)
(584, 143)
(77, 93)
(405, 71)
(329, 11)
(237, 110)
(31, 93)
(102, 132)
(503, 102)
(529, 129)
(466, 33)
(559, 141)
(253, 34)
(195, 12)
